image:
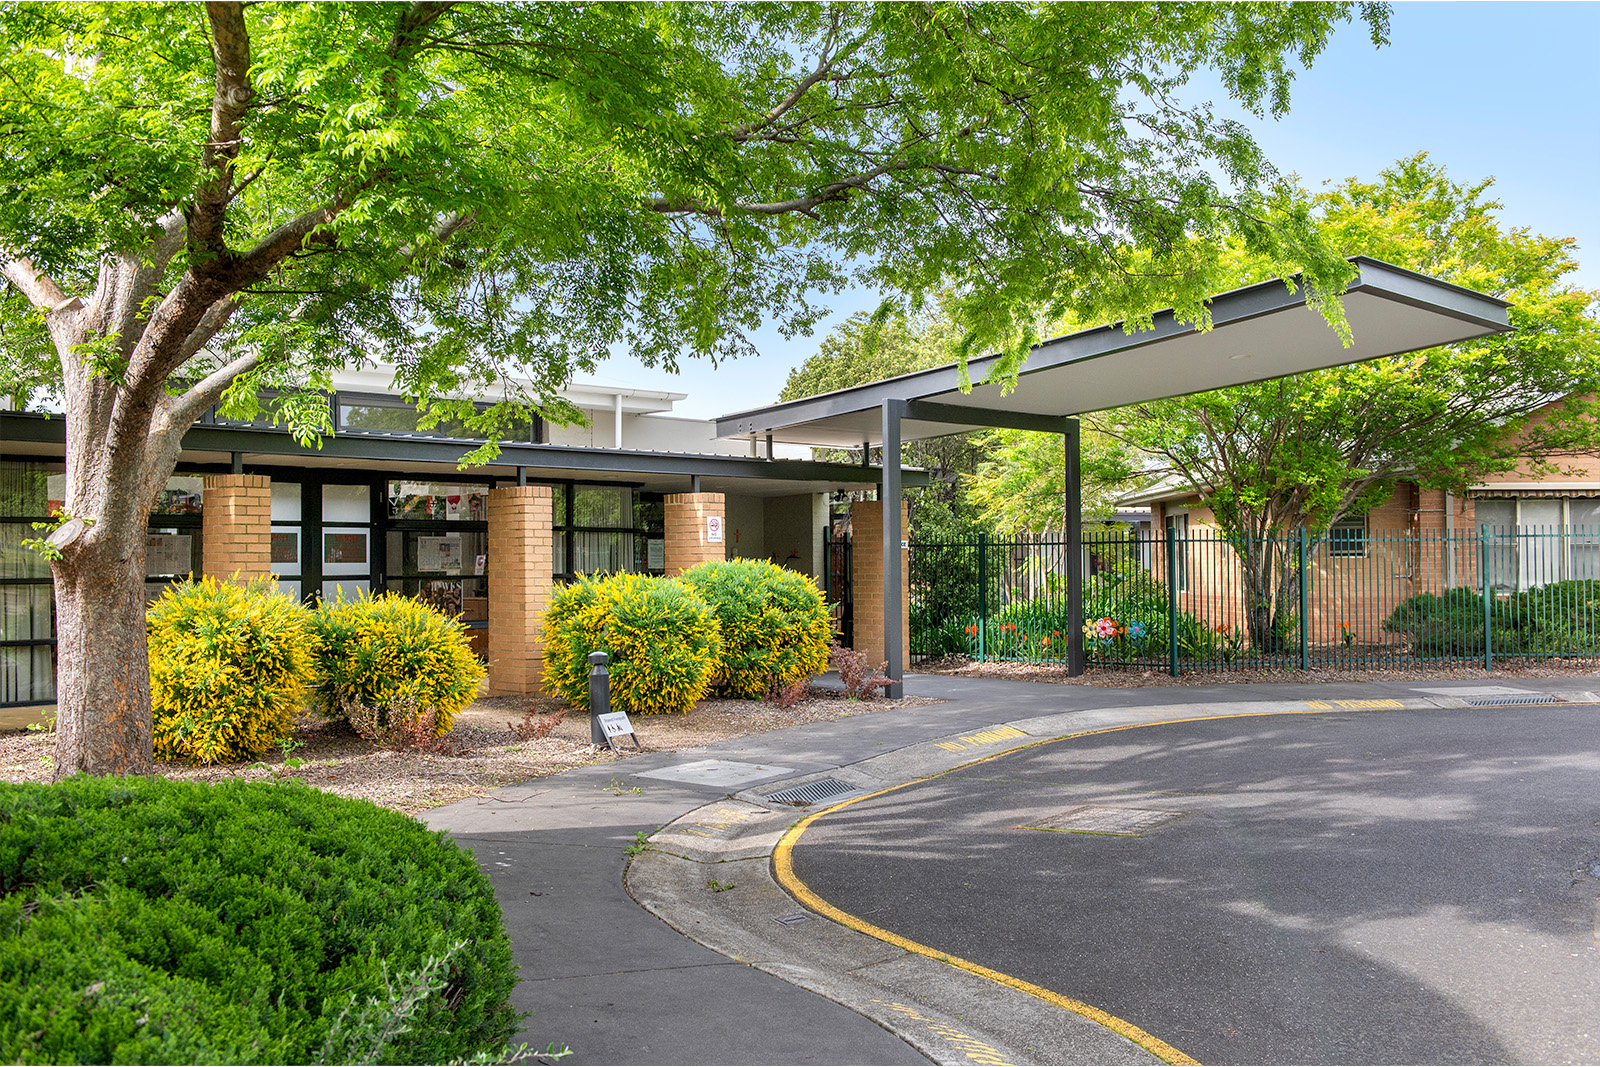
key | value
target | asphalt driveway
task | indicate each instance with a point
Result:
(1370, 887)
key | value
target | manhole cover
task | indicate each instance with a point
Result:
(804, 795)
(1122, 822)
(1509, 702)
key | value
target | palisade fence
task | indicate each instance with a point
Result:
(1182, 602)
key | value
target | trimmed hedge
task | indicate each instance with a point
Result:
(151, 921)
(775, 626)
(386, 651)
(229, 667)
(662, 637)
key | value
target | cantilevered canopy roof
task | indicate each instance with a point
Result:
(1258, 332)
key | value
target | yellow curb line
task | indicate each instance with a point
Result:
(783, 868)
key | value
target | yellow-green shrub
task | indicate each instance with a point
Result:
(229, 667)
(775, 625)
(394, 651)
(662, 639)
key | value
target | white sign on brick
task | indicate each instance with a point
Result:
(713, 529)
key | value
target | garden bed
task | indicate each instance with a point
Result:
(482, 752)
(1138, 677)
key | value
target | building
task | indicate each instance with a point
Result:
(1515, 531)
(382, 506)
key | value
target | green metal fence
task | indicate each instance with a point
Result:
(1198, 601)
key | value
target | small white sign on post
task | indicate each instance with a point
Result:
(713, 529)
(615, 724)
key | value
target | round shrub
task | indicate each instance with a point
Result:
(152, 921)
(661, 635)
(776, 627)
(392, 651)
(229, 667)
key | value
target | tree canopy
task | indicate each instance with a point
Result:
(205, 201)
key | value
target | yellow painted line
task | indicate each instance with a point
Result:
(987, 737)
(783, 865)
(1352, 705)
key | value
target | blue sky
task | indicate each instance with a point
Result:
(1507, 89)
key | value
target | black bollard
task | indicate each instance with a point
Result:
(599, 695)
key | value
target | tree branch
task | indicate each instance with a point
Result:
(128, 279)
(180, 412)
(803, 205)
(825, 65)
(230, 53)
(215, 317)
(40, 289)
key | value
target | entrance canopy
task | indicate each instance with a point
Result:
(1257, 333)
(1261, 331)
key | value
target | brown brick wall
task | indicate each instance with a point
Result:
(236, 526)
(519, 568)
(686, 530)
(1406, 554)
(866, 583)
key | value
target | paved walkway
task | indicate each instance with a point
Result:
(620, 986)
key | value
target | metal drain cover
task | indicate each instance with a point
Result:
(805, 795)
(1510, 702)
(791, 920)
(1120, 822)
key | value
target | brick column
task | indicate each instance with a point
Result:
(236, 526)
(686, 530)
(519, 570)
(866, 580)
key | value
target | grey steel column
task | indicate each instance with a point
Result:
(1073, 520)
(889, 501)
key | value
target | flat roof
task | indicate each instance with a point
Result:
(29, 436)
(1257, 332)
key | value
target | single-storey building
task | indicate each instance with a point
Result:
(1511, 532)
(382, 506)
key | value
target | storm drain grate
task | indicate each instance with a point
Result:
(1121, 822)
(805, 795)
(791, 920)
(1509, 702)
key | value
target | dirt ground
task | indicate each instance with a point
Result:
(483, 751)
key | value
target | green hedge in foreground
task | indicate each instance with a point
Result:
(151, 921)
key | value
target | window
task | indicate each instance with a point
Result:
(602, 529)
(1178, 526)
(393, 414)
(436, 548)
(438, 501)
(1530, 542)
(1348, 537)
(29, 492)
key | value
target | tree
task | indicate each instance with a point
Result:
(1306, 451)
(1020, 487)
(866, 348)
(208, 201)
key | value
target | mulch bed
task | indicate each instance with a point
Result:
(488, 747)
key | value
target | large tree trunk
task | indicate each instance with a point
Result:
(103, 673)
(1267, 577)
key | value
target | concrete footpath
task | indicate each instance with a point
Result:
(720, 965)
